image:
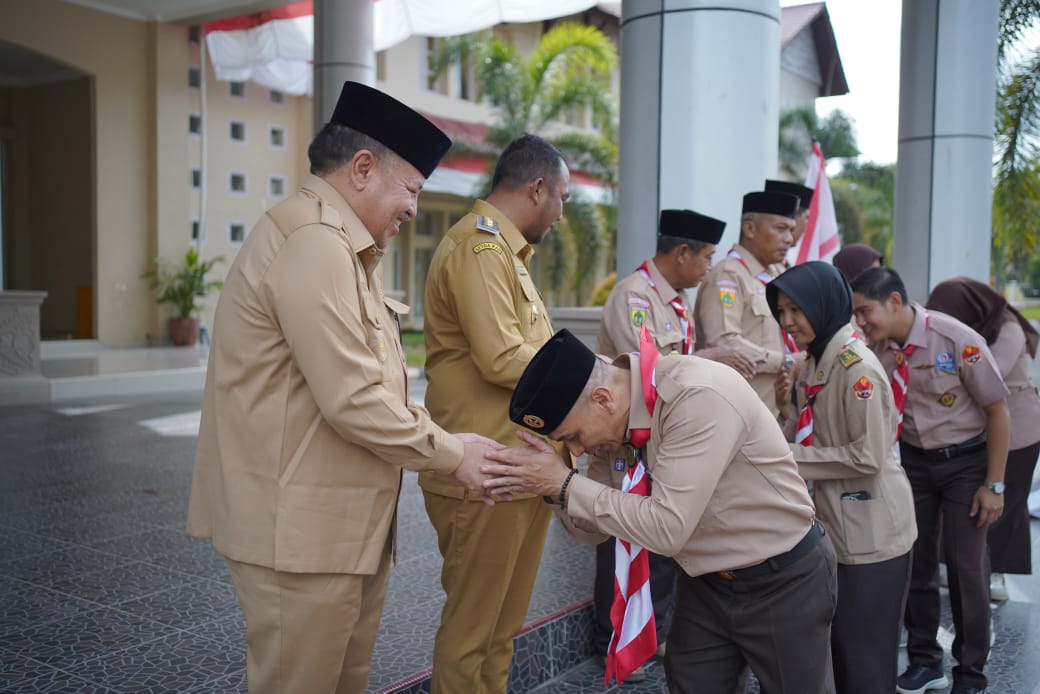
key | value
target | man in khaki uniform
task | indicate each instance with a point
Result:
(306, 421)
(758, 584)
(655, 295)
(954, 445)
(484, 321)
(731, 308)
(805, 196)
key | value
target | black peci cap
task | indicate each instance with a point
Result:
(400, 128)
(783, 204)
(551, 383)
(687, 224)
(804, 193)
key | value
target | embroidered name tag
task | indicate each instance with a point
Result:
(487, 246)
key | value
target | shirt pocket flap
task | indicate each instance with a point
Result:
(396, 306)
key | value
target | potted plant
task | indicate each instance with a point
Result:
(182, 285)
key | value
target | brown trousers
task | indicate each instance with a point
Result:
(309, 633)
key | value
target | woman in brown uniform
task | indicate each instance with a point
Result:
(1013, 342)
(842, 435)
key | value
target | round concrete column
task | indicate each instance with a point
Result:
(699, 112)
(944, 189)
(343, 50)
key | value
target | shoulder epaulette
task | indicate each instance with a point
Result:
(485, 223)
(848, 357)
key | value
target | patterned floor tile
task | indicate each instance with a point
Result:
(60, 564)
(121, 583)
(32, 606)
(191, 605)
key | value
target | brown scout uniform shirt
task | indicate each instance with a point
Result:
(732, 311)
(952, 376)
(306, 422)
(1009, 349)
(634, 302)
(726, 493)
(854, 426)
(484, 322)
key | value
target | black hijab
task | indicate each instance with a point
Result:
(821, 293)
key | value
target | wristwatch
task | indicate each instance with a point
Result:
(995, 487)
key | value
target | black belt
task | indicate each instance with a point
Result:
(781, 560)
(972, 445)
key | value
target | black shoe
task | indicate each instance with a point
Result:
(967, 689)
(918, 679)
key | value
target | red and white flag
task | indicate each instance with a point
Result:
(820, 240)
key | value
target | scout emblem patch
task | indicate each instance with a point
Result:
(971, 354)
(487, 246)
(487, 224)
(619, 464)
(638, 317)
(534, 421)
(944, 362)
(728, 297)
(848, 358)
(863, 388)
(947, 399)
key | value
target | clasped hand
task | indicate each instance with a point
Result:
(533, 468)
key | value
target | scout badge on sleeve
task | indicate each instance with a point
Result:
(971, 354)
(863, 388)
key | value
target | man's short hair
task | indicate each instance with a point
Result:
(877, 283)
(526, 158)
(665, 243)
(335, 145)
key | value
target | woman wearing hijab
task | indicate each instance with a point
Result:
(842, 425)
(855, 258)
(1013, 342)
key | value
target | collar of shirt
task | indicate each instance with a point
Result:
(359, 237)
(918, 335)
(753, 265)
(507, 231)
(665, 289)
(822, 370)
(638, 415)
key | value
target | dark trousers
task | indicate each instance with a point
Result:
(1010, 546)
(778, 623)
(662, 593)
(945, 489)
(867, 622)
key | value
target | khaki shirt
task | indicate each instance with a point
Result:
(725, 490)
(952, 376)
(732, 311)
(854, 427)
(306, 421)
(1009, 349)
(484, 321)
(633, 302)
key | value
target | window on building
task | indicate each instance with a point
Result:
(276, 186)
(197, 233)
(194, 77)
(426, 223)
(237, 90)
(193, 33)
(455, 80)
(237, 182)
(276, 97)
(194, 124)
(196, 178)
(431, 80)
(238, 131)
(236, 232)
(276, 136)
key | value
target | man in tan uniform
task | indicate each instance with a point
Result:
(731, 308)
(484, 321)
(805, 196)
(655, 295)
(953, 445)
(726, 501)
(306, 421)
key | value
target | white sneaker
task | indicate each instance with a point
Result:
(944, 579)
(997, 588)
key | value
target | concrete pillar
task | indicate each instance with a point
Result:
(343, 50)
(700, 93)
(947, 91)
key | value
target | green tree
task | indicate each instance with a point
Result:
(800, 126)
(863, 204)
(568, 71)
(1016, 191)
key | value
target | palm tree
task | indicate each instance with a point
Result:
(1016, 191)
(569, 70)
(800, 126)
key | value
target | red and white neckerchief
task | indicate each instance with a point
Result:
(685, 324)
(804, 428)
(634, 637)
(901, 378)
(765, 278)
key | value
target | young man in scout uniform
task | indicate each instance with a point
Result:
(953, 443)
(306, 421)
(484, 320)
(731, 308)
(757, 585)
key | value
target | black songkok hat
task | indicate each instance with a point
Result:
(398, 127)
(783, 204)
(551, 383)
(687, 224)
(804, 193)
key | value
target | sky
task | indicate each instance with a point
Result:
(867, 33)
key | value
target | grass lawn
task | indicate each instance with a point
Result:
(414, 347)
(1031, 312)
